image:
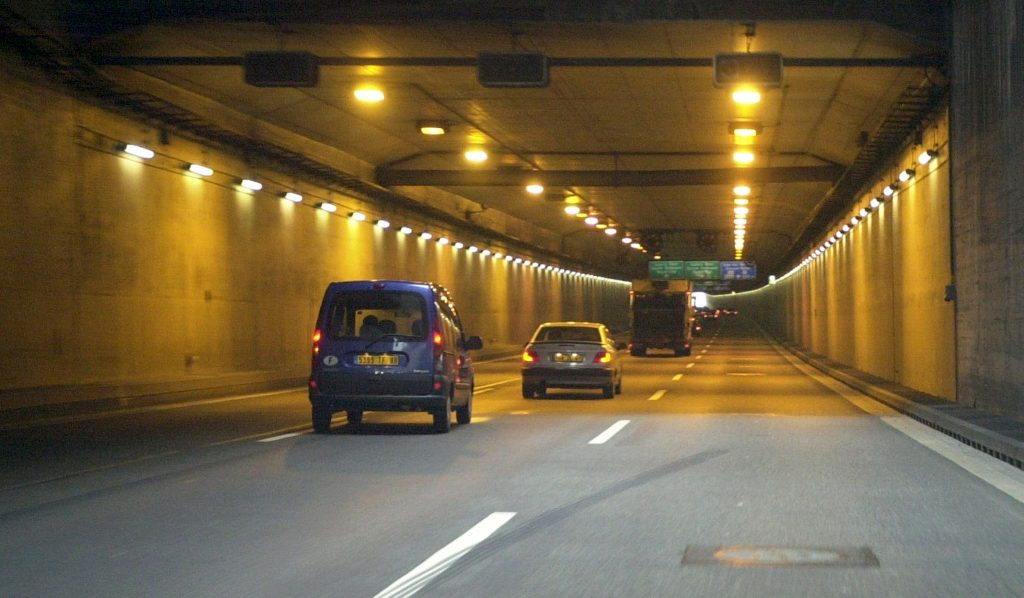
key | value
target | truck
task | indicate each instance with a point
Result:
(661, 315)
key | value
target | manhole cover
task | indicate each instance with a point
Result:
(780, 556)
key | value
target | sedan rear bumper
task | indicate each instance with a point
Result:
(568, 377)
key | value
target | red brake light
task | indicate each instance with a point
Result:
(530, 356)
(316, 336)
(603, 357)
(438, 339)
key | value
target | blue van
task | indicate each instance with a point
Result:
(389, 345)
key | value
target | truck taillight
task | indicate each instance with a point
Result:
(603, 357)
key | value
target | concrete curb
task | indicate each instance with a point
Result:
(979, 429)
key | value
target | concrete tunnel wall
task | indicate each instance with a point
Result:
(123, 276)
(875, 300)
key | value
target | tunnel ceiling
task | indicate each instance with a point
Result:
(630, 121)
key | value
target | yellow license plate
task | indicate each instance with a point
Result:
(367, 359)
(568, 358)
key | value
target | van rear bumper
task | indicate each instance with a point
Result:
(378, 402)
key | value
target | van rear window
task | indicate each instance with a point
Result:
(373, 314)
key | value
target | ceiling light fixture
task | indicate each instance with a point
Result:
(741, 190)
(611, 231)
(292, 196)
(745, 129)
(592, 220)
(357, 216)
(874, 203)
(328, 207)
(381, 223)
(746, 96)
(369, 94)
(405, 230)
(433, 127)
(572, 210)
(535, 189)
(426, 235)
(743, 157)
(476, 155)
(906, 175)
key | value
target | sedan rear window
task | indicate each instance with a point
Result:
(575, 334)
(372, 314)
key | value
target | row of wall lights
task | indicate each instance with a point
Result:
(890, 189)
(253, 185)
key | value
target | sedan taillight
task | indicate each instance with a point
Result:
(603, 357)
(530, 357)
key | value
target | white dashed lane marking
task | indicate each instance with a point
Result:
(415, 580)
(657, 395)
(605, 436)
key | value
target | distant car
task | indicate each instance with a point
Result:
(572, 355)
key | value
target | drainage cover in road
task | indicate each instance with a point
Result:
(780, 556)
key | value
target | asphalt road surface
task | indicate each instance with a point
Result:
(737, 471)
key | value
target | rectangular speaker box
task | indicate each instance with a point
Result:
(761, 69)
(282, 69)
(512, 70)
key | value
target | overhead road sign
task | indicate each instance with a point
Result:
(703, 270)
(739, 270)
(666, 270)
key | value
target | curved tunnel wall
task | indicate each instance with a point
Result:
(875, 300)
(120, 272)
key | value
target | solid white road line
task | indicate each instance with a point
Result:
(605, 436)
(1003, 476)
(414, 580)
(677, 377)
(657, 395)
(498, 383)
(281, 437)
(690, 365)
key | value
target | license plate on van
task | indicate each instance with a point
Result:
(367, 359)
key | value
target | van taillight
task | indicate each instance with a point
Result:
(438, 350)
(316, 345)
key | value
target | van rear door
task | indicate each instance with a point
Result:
(375, 343)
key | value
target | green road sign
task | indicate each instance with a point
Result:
(666, 270)
(702, 270)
